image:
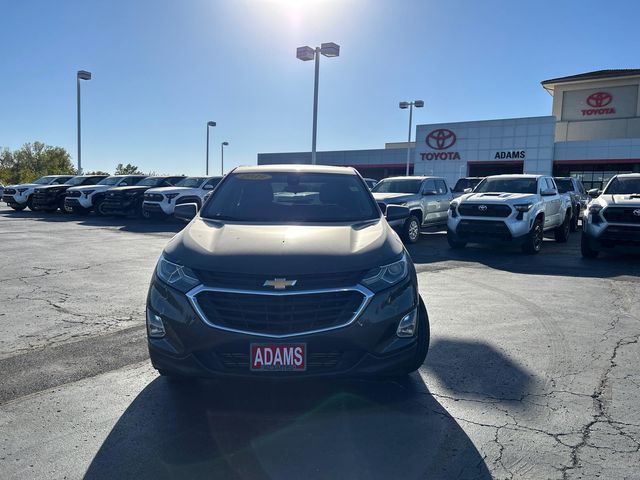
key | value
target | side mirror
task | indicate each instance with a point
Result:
(208, 186)
(547, 192)
(429, 192)
(467, 190)
(186, 211)
(397, 212)
(594, 192)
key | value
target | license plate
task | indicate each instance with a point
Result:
(270, 357)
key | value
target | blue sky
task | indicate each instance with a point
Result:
(162, 68)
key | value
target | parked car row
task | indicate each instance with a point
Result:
(145, 196)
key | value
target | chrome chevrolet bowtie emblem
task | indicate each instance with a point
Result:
(482, 208)
(279, 283)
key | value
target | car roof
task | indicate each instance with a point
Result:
(415, 177)
(295, 168)
(516, 175)
(628, 175)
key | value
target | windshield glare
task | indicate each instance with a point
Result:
(109, 181)
(622, 186)
(409, 185)
(191, 182)
(291, 197)
(507, 185)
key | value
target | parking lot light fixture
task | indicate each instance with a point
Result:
(307, 53)
(209, 124)
(404, 106)
(222, 145)
(80, 75)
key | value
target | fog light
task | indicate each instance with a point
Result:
(407, 326)
(155, 327)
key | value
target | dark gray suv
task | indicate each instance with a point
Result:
(287, 271)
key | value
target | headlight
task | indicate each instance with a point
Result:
(177, 276)
(387, 275)
(88, 192)
(595, 209)
(171, 195)
(22, 190)
(523, 207)
(453, 209)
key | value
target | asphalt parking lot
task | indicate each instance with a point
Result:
(532, 372)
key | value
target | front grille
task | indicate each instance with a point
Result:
(71, 202)
(8, 198)
(279, 314)
(256, 282)
(153, 197)
(113, 202)
(622, 214)
(483, 228)
(74, 194)
(44, 197)
(152, 207)
(484, 210)
(620, 235)
(10, 191)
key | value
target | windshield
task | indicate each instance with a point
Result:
(75, 181)
(44, 180)
(109, 181)
(508, 185)
(398, 185)
(291, 197)
(151, 182)
(622, 185)
(564, 185)
(465, 183)
(191, 182)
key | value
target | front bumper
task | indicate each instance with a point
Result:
(158, 207)
(14, 199)
(489, 229)
(611, 236)
(82, 201)
(118, 207)
(45, 202)
(367, 346)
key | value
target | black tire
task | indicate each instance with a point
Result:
(561, 233)
(18, 208)
(574, 220)
(585, 248)
(64, 208)
(30, 204)
(453, 243)
(535, 237)
(98, 209)
(411, 229)
(424, 336)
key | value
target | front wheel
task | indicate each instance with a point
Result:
(533, 243)
(585, 248)
(411, 229)
(561, 233)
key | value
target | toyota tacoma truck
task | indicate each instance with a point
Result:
(128, 200)
(612, 220)
(20, 196)
(427, 199)
(51, 197)
(577, 195)
(312, 282)
(162, 200)
(515, 209)
(88, 197)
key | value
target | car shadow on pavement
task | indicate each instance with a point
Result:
(477, 370)
(310, 429)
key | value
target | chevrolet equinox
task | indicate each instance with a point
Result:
(286, 271)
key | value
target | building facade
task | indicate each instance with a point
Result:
(593, 133)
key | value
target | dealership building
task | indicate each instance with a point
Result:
(593, 132)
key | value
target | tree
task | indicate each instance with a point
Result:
(32, 161)
(127, 169)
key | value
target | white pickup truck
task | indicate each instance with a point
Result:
(163, 200)
(20, 196)
(514, 209)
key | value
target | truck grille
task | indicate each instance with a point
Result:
(483, 210)
(74, 194)
(9, 191)
(281, 314)
(153, 197)
(622, 214)
(483, 228)
(615, 235)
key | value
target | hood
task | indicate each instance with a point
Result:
(130, 188)
(393, 197)
(625, 200)
(83, 188)
(25, 185)
(163, 190)
(510, 198)
(284, 249)
(53, 187)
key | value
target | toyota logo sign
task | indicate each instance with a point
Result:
(482, 208)
(636, 212)
(441, 139)
(599, 99)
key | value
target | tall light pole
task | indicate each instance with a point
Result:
(209, 124)
(80, 75)
(306, 53)
(410, 105)
(222, 145)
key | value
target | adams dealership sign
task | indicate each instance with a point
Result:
(441, 139)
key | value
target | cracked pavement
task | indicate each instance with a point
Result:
(532, 372)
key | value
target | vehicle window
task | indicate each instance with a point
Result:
(172, 181)
(132, 180)
(622, 186)
(429, 186)
(91, 181)
(507, 185)
(43, 180)
(109, 181)
(580, 187)
(289, 197)
(398, 185)
(191, 182)
(76, 181)
(550, 183)
(564, 185)
(214, 181)
(441, 187)
(61, 180)
(464, 183)
(151, 182)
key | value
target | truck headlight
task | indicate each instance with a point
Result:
(88, 192)
(453, 209)
(594, 212)
(523, 207)
(177, 276)
(171, 196)
(387, 275)
(22, 190)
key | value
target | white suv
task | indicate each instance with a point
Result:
(163, 200)
(20, 196)
(515, 209)
(83, 199)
